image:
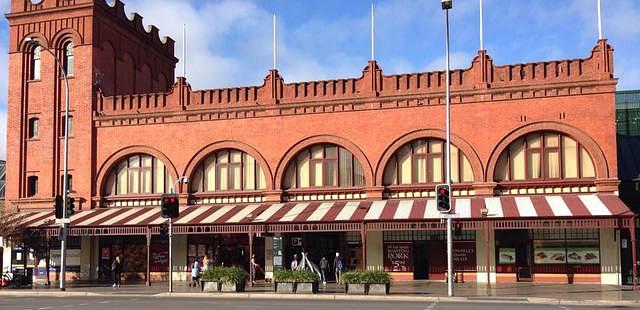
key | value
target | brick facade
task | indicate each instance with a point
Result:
(122, 104)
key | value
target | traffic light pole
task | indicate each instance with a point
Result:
(448, 157)
(170, 255)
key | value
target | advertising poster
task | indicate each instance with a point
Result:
(202, 250)
(105, 253)
(583, 255)
(192, 250)
(549, 256)
(159, 257)
(464, 255)
(398, 257)
(507, 255)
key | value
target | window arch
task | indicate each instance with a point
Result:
(422, 161)
(67, 62)
(228, 170)
(324, 165)
(36, 62)
(138, 174)
(544, 155)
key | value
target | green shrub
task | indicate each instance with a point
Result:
(365, 277)
(295, 276)
(225, 275)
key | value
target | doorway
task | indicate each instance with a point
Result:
(420, 261)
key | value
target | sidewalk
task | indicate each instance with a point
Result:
(576, 294)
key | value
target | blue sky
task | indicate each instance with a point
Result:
(229, 41)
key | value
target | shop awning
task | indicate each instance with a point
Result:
(506, 207)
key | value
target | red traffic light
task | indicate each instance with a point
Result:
(442, 191)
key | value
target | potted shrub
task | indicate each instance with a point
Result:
(224, 279)
(295, 281)
(366, 282)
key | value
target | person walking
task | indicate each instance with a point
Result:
(338, 265)
(205, 263)
(116, 269)
(324, 265)
(195, 273)
(294, 262)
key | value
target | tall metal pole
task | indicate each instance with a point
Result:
(481, 32)
(170, 256)
(275, 46)
(599, 21)
(372, 33)
(448, 157)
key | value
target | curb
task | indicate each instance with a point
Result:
(336, 297)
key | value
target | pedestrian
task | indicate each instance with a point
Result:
(116, 269)
(252, 269)
(195, 273)
(338, 265)
(324, 265)
(205, 263)
(294, 262)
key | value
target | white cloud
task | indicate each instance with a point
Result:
(458, 60)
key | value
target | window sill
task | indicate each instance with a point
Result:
(34, 81)
(33, 139)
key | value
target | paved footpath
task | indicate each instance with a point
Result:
(411, 291)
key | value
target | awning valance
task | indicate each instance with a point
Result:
(409, 210)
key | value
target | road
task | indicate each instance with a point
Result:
(177, 303)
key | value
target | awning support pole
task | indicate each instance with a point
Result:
(363, 238)
(251, 261)
(488, 249)
(632, 227)
(148, 273)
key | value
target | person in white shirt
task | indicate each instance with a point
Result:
(294, 262)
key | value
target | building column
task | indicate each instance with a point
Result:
(610, 272)
(481, 256)
(179, 252)
(6, 256)
(85, 258)
(374, 250)
(363, 240)
(251, 261)
(147, 275)
(268, 257)
(633, 252)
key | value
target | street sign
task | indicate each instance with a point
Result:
(63, 221)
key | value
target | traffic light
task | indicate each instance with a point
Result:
(58, 207)
(70, 207)
(170, 206)
(443, 198)
(164, 229)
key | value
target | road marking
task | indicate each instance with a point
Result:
(431, 306)
(45, 308)
(83, 304)
(104, 302)
(563, 307)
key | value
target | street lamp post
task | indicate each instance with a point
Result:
(65, 184)
(446, 5)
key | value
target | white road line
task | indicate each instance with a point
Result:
(431, 306)
(563, 307)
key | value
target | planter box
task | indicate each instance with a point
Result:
(355, 289)
(306, 287)
(378, 289)
(285, 287)
(211, 286)
(233, 287)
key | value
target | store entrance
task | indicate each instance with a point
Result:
(515, 253)
(420, 261)
(323, 244)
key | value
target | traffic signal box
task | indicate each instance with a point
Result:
(443, 198)
(59, 206)
(170, 206)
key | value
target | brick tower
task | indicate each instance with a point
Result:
(104, 51)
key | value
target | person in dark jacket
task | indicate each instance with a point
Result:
(324, 265)
(116, 269)
(338, 265)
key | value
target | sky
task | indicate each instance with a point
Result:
(229, 42)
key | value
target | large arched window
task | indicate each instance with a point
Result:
(138, 174)
(324, 165)
(67, 62)
(544, 156)
(422, 161)
(228, 170)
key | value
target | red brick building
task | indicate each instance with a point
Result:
(343, 165)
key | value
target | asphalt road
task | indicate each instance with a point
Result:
(176, 303)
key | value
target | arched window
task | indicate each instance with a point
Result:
(35, 63)
(228, 170)
(544, 156)
(324, 165)
(67, 62)
(138, 174)
(422, 161)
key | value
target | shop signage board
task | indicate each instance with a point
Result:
(507, 255)
(159, 257)
(464, 255)
(398, 256)
(583, 255)
(550, 256)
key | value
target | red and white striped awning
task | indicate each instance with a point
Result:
(507, 207)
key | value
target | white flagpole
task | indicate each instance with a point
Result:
(599, 22)
(184, 50)
(481, 39)
(275, 49)
(372, 33)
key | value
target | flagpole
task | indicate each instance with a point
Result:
(184, 50)
(481, 32)
(599, 21)
(275, 50)
(372, 33)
